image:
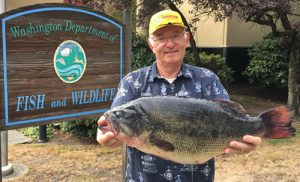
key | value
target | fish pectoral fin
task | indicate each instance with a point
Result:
(162, 144)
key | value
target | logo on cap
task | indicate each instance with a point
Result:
(165, 18)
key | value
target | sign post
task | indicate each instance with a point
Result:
(127, 54)
(6, 168)
(42, 134)
(2, 10)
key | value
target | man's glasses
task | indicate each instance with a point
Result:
(177, 37)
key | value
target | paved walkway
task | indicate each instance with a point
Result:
(15, 137)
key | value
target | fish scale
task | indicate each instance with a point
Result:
(191, 131)
(187, 149)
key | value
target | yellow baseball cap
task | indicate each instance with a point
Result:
(165, 18)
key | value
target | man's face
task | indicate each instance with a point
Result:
(169, 44)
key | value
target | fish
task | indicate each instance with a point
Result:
(190, 130)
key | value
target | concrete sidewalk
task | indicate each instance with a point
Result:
(16, 137)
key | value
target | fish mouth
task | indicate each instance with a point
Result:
(111, 125)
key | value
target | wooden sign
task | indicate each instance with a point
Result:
(58, 62)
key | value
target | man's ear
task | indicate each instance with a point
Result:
(187, 37)
(150, 43)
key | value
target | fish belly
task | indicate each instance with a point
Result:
(187, 150)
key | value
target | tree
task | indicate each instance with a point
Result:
(111, 7)
(90, 3)
(279, 15)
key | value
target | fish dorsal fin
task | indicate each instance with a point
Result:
(162, 144)
(231, 104)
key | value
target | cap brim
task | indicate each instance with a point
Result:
(165, 25)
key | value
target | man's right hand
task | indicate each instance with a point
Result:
(106, 138)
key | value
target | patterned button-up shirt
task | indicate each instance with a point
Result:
(191, 81)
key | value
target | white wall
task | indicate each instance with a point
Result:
(13, 4)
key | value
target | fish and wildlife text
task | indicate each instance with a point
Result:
(37, 102)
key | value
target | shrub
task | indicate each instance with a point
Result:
(142, 54)
(268, 63)
(33, 132)
(84, 127)
(215, 63)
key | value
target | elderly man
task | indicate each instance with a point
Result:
(169, 76)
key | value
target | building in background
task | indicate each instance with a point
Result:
(13, 4)
(231, 38)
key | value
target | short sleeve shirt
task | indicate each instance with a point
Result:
(191, 81)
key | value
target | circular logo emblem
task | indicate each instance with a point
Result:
(69, 61)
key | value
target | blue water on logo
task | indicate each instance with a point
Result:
(73, 70)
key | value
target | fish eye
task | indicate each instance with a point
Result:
(118, 114)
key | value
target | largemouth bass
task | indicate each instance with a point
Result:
(188, 130)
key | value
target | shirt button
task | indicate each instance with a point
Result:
(168, 175)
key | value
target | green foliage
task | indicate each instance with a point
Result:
(142, 54)
(84, 127)
(215, 63)
(268, 63)
(33, 132)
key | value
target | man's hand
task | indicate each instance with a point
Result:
(249, 144)
(106, 138)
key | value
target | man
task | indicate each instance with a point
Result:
(169, 76)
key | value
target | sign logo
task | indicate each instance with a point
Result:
(69, 61)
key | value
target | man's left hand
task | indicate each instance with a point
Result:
(249, 144)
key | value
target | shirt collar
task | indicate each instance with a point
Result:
(185, 71)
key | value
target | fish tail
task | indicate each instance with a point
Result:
(278, 123)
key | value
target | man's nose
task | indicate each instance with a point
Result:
(170, 41)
